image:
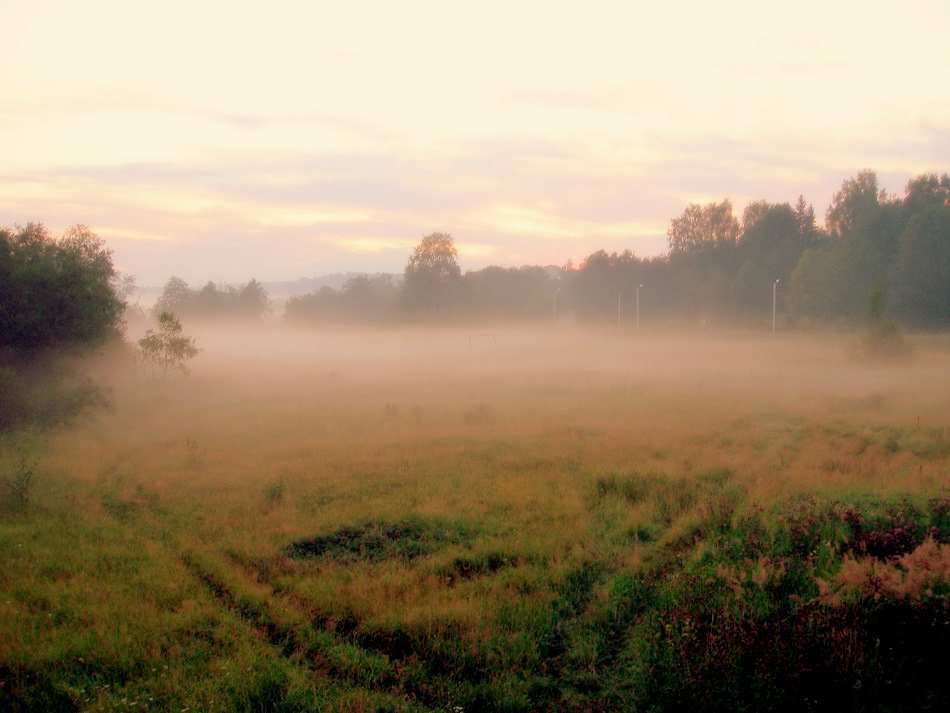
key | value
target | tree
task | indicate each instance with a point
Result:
(921, 271)
(769, 248)
(55, 295)
(808, 233)
(210, 300)
(927, 191)
(768, 228)
(252, 300)
(817, 285)
(604, 283)
(249, 301)
(367, 298)
(321, 305)
(432, 276)
(703, 256)
(507, 292)
(167, 348)
(857, 197)
(703, 227)
(175, 295)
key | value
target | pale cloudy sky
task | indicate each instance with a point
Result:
(229, 140)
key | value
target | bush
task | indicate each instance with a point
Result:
(55, 295)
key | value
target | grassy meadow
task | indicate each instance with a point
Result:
(562, 519)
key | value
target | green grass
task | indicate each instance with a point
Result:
(586, 521)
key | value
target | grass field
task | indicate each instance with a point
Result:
(561, 519)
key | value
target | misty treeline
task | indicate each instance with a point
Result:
(721, 269)
(245, 301)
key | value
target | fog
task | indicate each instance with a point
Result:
(793, 370)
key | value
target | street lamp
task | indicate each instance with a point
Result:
(555, 303)
(638, 305)
(774, 290)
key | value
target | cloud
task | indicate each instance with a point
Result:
(230, 212)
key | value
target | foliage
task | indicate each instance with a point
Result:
(249, 301)
(808, 231)
(167, 348)
(58, 298)
(701, 228)
(55, 294)
(857, 197)
(921, 273)
(770, 246)
(507, 293)
(605, 286)
(879, 239)
(432, 277)
(718, 271)
(361, 299)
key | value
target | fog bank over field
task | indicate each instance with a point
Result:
(416, 362)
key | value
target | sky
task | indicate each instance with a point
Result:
(232, 140)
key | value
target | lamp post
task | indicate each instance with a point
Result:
(555, 303)
(638, 305)
(774, 291)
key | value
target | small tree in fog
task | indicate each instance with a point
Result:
(166, 348)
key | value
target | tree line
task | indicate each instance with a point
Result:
(876, 253)
(244, 301)
(720, 269)
(64, 293)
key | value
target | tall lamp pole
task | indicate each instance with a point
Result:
(774, 290)
(638, 305)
